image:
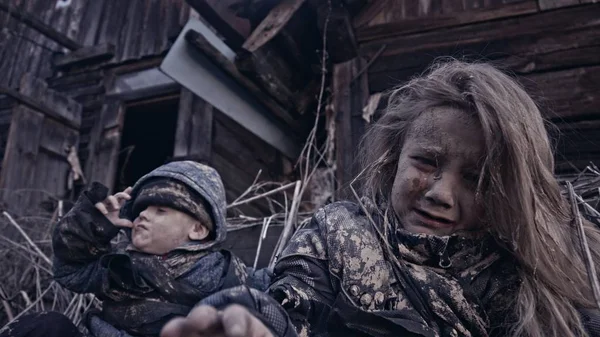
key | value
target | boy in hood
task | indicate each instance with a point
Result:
(173, 217)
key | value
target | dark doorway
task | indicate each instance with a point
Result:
(147, 140)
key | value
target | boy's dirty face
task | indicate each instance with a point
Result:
(438, 171)
(158, 230)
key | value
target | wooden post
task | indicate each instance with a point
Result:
(105, 141)
(37, 24)
(349, 98)
(44, 126)
(194, 128)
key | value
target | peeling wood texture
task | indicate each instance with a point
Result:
(34, 167)
(553, 4)
(233, 29)
(272, 24)
(441, 19)
(193, 138)
(198, 41)
(32, 21)
(128, 25)
(349, 98)
(102, 165)
(84, 55)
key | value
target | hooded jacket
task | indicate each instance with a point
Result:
(141, 292)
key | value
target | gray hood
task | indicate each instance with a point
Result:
(201, 178)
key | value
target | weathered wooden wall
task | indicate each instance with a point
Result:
(131, 26)
(552, 46)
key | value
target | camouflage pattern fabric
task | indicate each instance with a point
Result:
(339, 267)
(141, 292)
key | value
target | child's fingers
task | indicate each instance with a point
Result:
(123, 223)
(113, 202)
(128, 190)
(205, 319)
(239, 322)
(101, 207)
(122, 197)
(175, 328)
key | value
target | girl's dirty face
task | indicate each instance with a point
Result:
(438, 171)
(158, 230)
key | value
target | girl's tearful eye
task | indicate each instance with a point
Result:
(426, 161)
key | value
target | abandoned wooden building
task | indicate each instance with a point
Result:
(81, 81)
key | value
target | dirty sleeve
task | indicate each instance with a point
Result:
(79, 241)
(303, 284)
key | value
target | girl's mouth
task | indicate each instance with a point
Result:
(432, 220)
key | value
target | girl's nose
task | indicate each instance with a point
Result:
(442, 191)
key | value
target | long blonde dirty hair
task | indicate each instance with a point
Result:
(524, 207)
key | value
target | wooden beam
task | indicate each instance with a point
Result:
(35, 105)
(193, 138)
(341, 40)
(190, 66)
(367, 14)
(84, 55)
(349, 98)
(220, 20)
(37, 24)
(201, 43)
(272, 24)
(408, 26)
(141, 84)
(553, 4)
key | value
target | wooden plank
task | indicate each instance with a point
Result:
(58, 139)
(37, 106)
(271, 72)
(84, 55)
(547, 23)
(134, 30)
(68, 111)
(569, 93)
(271, 25)
(367, 14)
(349, 97)
(104, 149)
(220, 17)
(33, 22)
(237, 149)
(66, 82)
(553, 4)
(535, 48)
(341, 40)
(236, 182)
(19, 162)
(92, 16)
(262, 152)
(151, 30)
(194, 128)
(423, 24)
(570, 58)
(200, 42)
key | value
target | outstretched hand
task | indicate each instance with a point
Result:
(206, 321)
(111, 207)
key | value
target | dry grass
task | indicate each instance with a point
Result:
(26, 283)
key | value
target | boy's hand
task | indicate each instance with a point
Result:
(111, 206)
(206, 321)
